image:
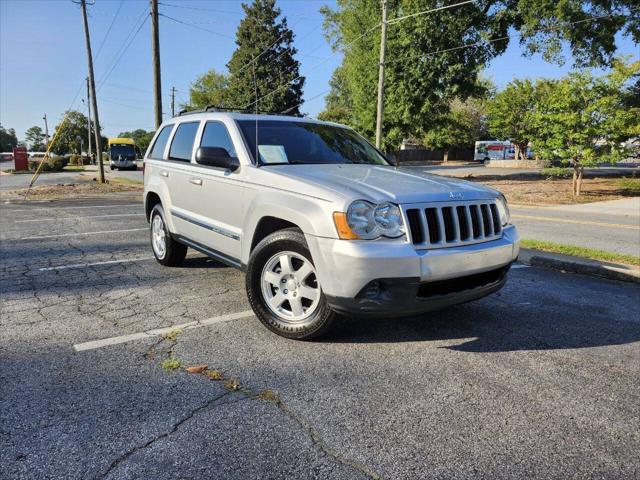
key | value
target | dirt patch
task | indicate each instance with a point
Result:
(558, 191)
(52, 192)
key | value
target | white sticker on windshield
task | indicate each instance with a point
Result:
(273, 154)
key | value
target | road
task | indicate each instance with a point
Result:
(537, 381)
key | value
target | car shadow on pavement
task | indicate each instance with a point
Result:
(492, 325)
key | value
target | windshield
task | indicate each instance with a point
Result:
(124, 151)
(282, 142)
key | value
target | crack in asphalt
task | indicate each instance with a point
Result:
(174, 428)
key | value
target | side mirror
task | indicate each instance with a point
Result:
(216, 157)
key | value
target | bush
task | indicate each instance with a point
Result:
(78, 160)
(557, 172)
(53, 164)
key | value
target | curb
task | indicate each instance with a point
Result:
(585, 266)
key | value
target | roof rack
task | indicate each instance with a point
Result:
(216, 108)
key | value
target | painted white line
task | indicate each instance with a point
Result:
(520, 265)
(105, 342)
(115, 205)
(80, 234)
(74, 217)
(85, 265)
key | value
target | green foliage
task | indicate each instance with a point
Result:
(141, 137)
(512, 114)
(557, 172)
(461, 126)
(279, 85)
(71, 131)
(208, 89)
(52, 164)
(581, 119)
(338, 105)
(591, 42)
(35, 138)
(8, 139)
(630, 186)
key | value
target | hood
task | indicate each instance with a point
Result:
(378, 183)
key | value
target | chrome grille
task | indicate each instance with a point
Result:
(453, 224)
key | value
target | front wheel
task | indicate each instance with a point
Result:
(167, 251)
(284, 290)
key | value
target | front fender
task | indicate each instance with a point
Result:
(312, 215)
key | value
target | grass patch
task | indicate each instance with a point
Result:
(557, 172)
(583, 252)
(629, 185)
(171, 364)
(74, 168)
(125, 181)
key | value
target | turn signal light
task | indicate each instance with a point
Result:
(342, 227)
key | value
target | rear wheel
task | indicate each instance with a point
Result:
(167, 251)
(283, 287)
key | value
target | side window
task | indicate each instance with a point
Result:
(182, 143)
(216, 135)
(161, 142)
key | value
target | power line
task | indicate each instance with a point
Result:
(424, 12)
(197, 27)
(113, 21)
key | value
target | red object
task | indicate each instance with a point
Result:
(20, 158)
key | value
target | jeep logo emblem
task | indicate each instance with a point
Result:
(456, 196)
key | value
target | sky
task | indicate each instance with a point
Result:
(43, 60)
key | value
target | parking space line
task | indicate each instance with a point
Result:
(74, 217)
(105, 342)
(80, 234)
(85, 265)
(115, 205)
(520, 265)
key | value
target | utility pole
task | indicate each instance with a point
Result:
(383, 47)
(89, 123)
(173, 101)
(92, 92)
(155, 50)
(46, 132)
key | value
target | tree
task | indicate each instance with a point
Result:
(425, 69)
(208, 89)
(35, 138)
(265, 44)
(8, 139)
(421, 79)
(72, 133)
(582, 119)
(512, 116)
(461, 126)
(141, 137)
(338, 105)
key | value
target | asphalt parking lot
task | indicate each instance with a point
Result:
(541, 380)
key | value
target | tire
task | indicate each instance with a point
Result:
(172, 254)
(308, 315)
(111, 167)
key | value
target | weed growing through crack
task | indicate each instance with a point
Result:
(172, 335)
(232, 385)
(214, 375)
(171, 364)
(267, 396)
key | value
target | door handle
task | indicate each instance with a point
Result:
(164, 174)
(196, 181)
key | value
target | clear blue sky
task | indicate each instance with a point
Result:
(43, 62)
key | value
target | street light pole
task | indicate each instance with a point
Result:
(155, 51)
(383, 47)
(89, 123)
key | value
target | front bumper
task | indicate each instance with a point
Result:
(346, 270)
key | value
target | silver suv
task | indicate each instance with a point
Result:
(320, 221)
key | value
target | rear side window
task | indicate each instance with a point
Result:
(161, 142)
(182, 143)
(216, 135)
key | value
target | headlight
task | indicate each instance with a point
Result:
(503, 210)
(369, 221)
